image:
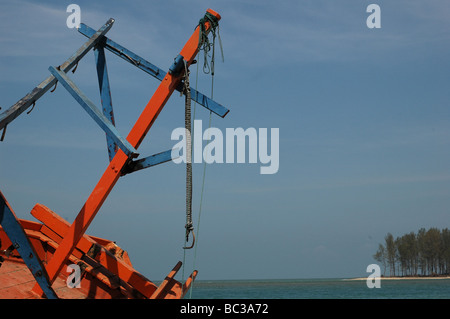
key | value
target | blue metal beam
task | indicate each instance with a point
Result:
(93, 111)
(19, 239)
(126, 54)
(14, 111)
(105, 95)
(154, 71)
(149, 161)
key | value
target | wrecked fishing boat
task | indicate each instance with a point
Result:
(34, 255)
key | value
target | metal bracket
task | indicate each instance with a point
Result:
(177, 65)
(149, 161)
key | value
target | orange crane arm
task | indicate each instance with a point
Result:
(113, 171)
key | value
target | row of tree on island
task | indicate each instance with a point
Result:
(425, 253)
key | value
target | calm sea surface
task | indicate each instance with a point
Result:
(320, 289)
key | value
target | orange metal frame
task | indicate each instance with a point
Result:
(77, 229)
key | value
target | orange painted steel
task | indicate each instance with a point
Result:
(113, 171)
(97, 280)
(55, 227)
(105, 273)
(168, 285)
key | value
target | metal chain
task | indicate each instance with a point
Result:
(187, 125)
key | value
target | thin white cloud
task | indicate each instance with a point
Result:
(84, 139)
(265, 31)
(32, 29)
(350, 182)
(330, 31)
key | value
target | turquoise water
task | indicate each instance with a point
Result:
(320, 289)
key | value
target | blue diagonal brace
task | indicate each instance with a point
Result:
(149, 161)
(14, 111)
(154, 71)
(94, 112)
(105, 95)
(19, 239)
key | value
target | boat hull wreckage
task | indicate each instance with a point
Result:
(52, 258)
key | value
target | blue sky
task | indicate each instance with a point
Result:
(363, 114)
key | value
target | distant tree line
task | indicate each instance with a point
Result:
(425, 253)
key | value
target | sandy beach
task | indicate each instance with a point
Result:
(400, 278)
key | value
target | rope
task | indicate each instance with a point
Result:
(203, 180)
(204, 42)
(193, 128)
(200, 212)
(205, 45)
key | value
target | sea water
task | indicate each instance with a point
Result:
(320, 289)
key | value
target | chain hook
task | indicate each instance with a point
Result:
(187, 238)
